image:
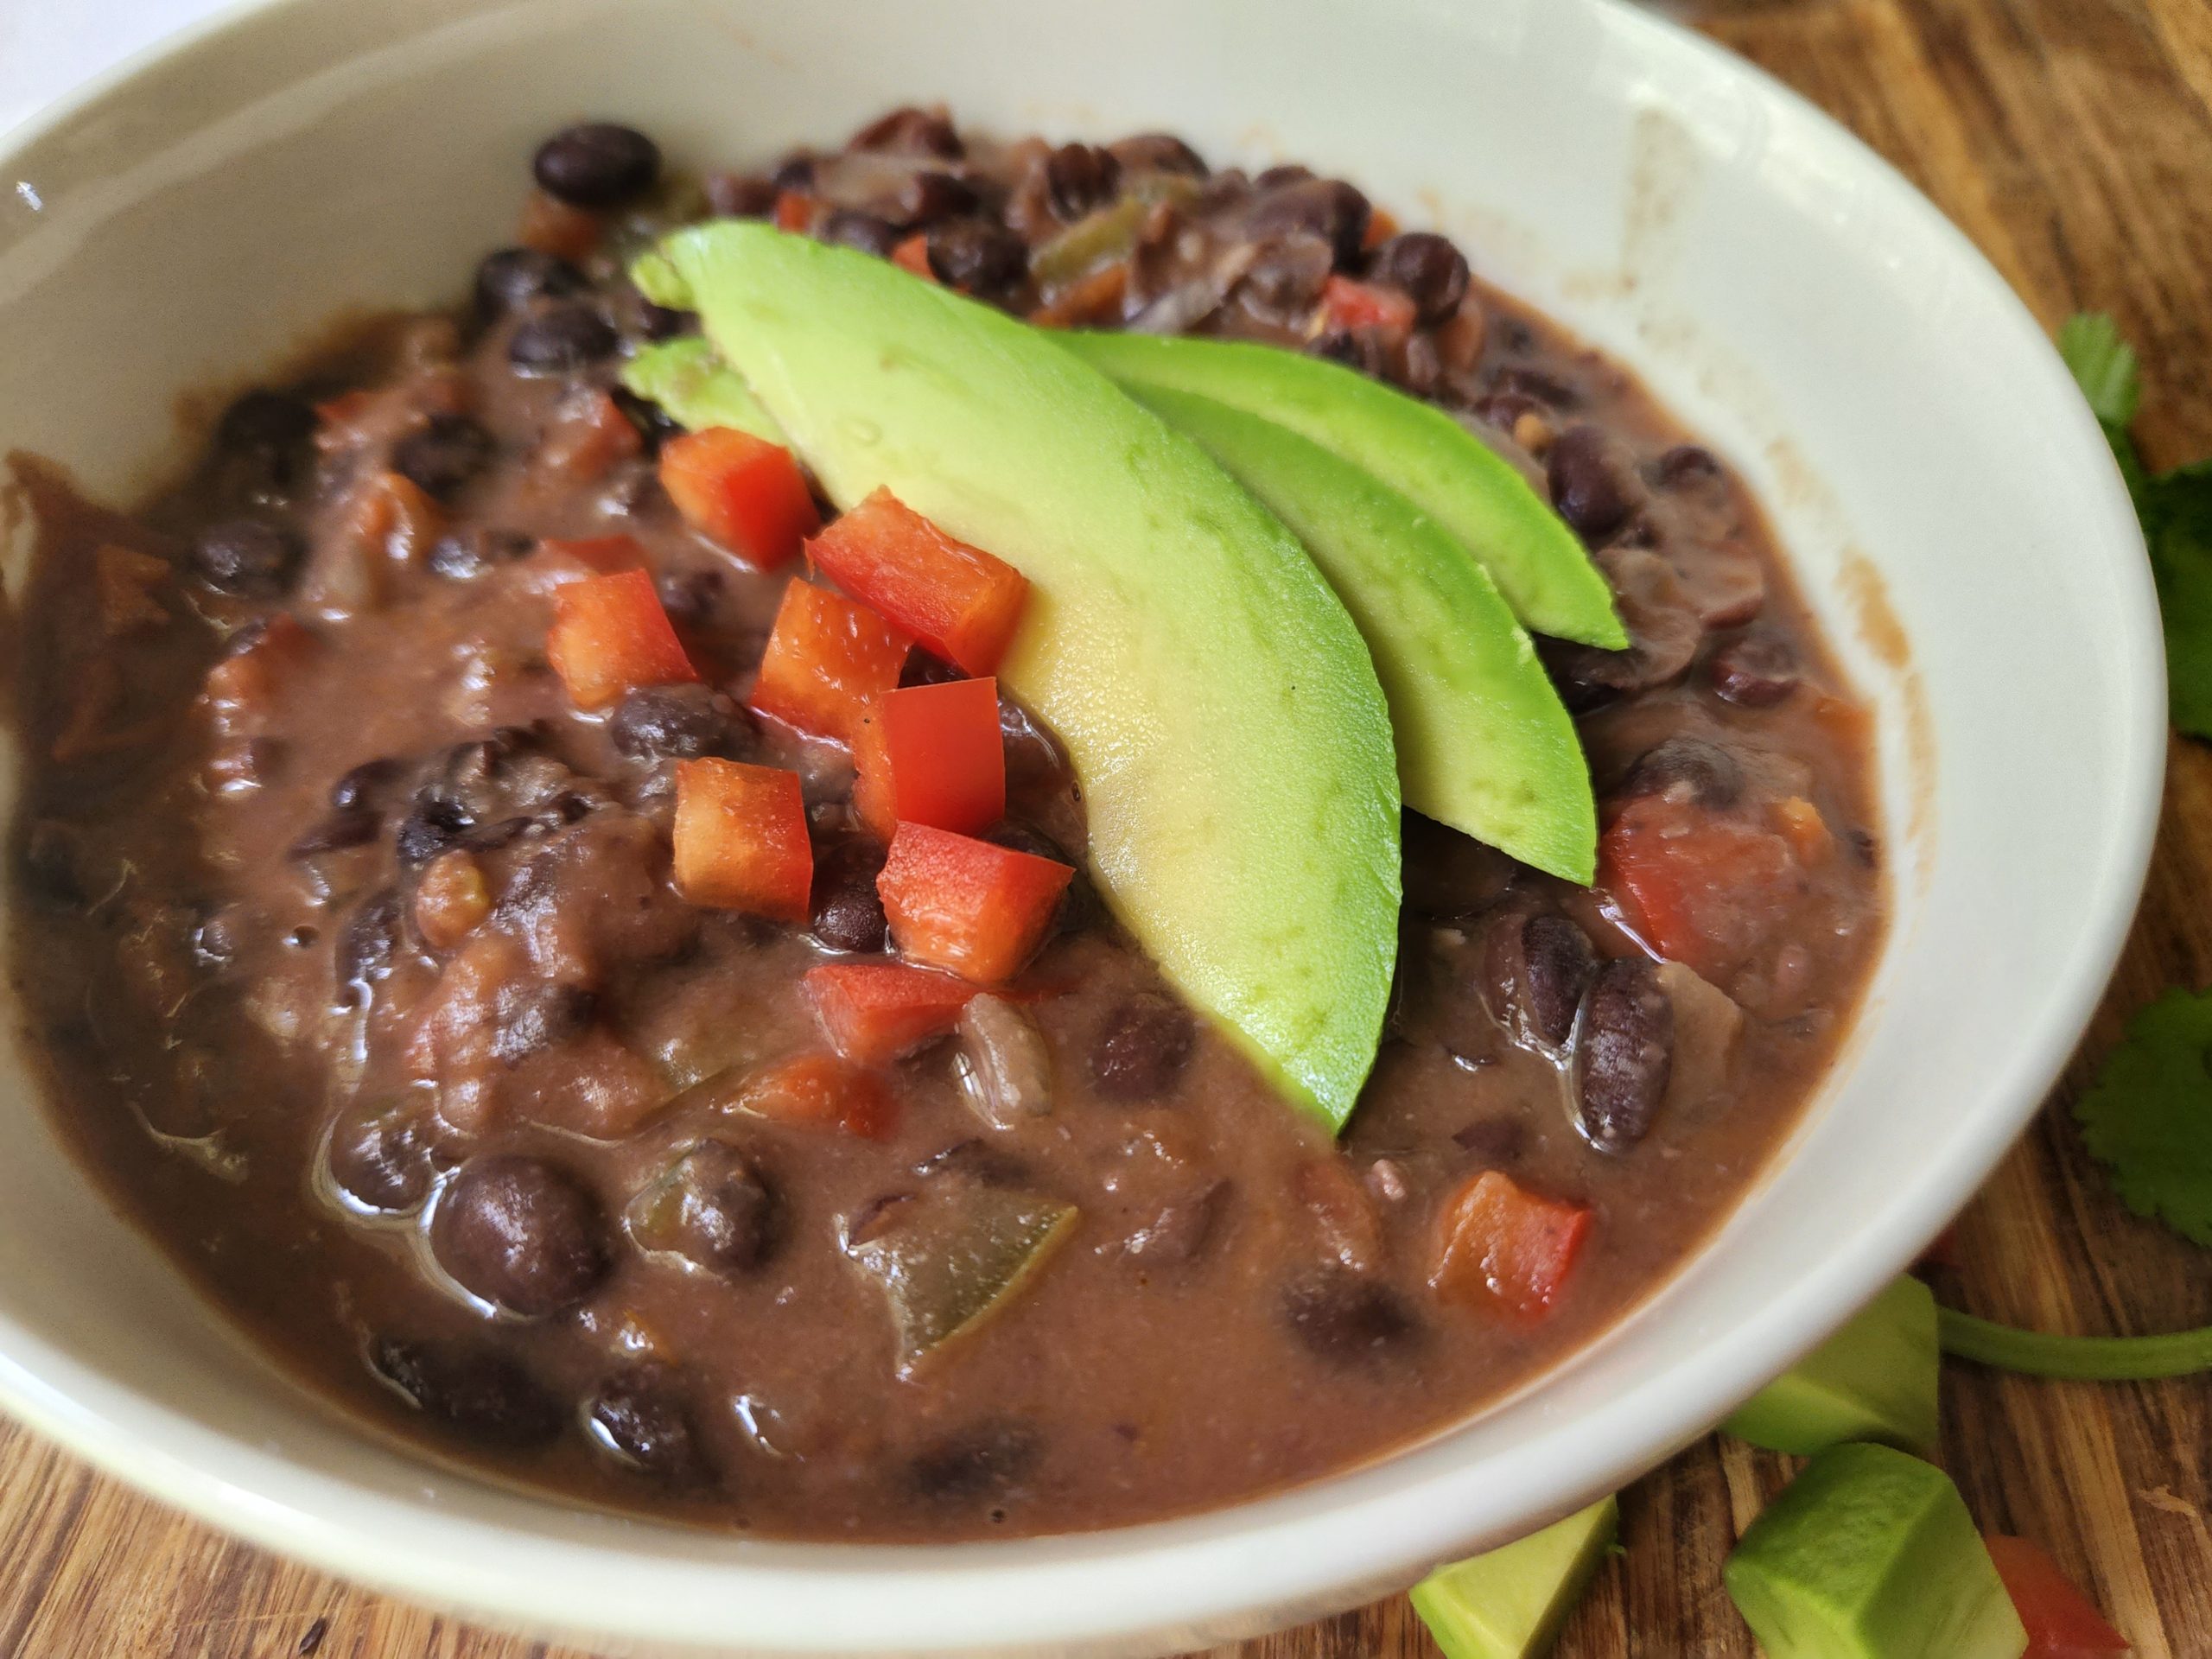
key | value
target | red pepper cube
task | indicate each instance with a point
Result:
(1699, 889)
(912, 255)
(2062, 1622)
(741, 839)
(956, 599)
(821, 1091)
(874, 1012)
(933, 754)
(741, 492)
(956, 903)
(827, 659)
(1500, 1244)
(1350, 304)
(610, 636)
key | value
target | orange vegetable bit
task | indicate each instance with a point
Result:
(2062, 1621)
(956, 903)
(913, 255)
(743, 493)
(874, 1012)
(550, 225)
(827, 659)
(1499, 1244)
(610, 636)
(741, 840)
(822, 1091)
(794, 212)
(932, 754)
(958, 600)
(1346, 304)
(1700, 890)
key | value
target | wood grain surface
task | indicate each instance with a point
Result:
(2072, 139)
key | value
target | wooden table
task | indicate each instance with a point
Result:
(2072, 139)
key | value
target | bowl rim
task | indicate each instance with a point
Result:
(1114, 1592)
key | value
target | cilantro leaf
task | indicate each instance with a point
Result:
(2103, 365)
(2148, 1116)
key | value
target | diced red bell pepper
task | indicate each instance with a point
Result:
(794, 211)
(741, 839)
(822, 1091)
(968, 905)
(932, 754)
(741, 492)
(958, 600)
(913, 255)
(2062, 1621)
(606, 554)
(1346, 304)
(874, 1012)
(828, 658)
(1499, 1244)
(1699, 889)
(610, 636)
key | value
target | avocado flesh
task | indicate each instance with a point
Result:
(1510, 1603)
(1484, 744)
(1218, 705)
(1472, 492)
(1871, 1554)
(696, 388)
(1874, 1380)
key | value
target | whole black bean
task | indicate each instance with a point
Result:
(1079, 907)
(1623, 1054)
(977, 256)
(366, 945)
(471, 1391)
(913, 132)
(1157, 152)
(434, 824)
(382, 1153)
(1329, 208)
(1289, 272)
(561, 338)
(1424, 267)
(1538, 967)
(521, 1233)
(1282, 172)
(848, 911)
(1755, 670)
(848, 227)
(536, 1015)
(340, 828)
(596, 164)
(1686, 768)
(54, 857)
(681, 722)
(1589, 487)
(511, 278)
(640, 1417)
(248, 557)
(991, 1459)
(1346, 1317)
(443, 454)
(1080, 178)
(1140, 1051)
(714, 1207)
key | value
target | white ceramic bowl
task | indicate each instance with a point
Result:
(1947, 500)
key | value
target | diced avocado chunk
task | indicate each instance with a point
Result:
(1467, 487)
(1877, 1379)
(951, 1258)
(1871, 1554)
(686, 379)
(1510, 1603)
(1224, 720)
(1484, 744)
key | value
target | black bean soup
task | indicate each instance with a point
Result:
(354, 953)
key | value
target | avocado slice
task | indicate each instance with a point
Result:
(1510, 1603)
(951, 1258)
(1484, 744)
(1219, 708)
(686, 379)
(1871, 1554)
(1874, 1380)
(1467, 487)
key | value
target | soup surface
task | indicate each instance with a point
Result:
(354, 947)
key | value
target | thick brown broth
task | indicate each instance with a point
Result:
(225, 952)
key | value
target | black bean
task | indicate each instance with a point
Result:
(795, 174)
(366, 945)
(1140, 1051)
(1178, 1232)
(511, 278)
(990, 1459)
(1034, 760)
(463, 554)
(1686, 768)
(848, 911)
(1426, 268)
(561, 338)
(740, 195)
(681, 722)
(848, 227)
(248, 557)
(382, 1152)
(1755, 670)
(913, 131)
(714, 1207)
(343, 827)
(1329, 208)
(1157, 152)
(434, 824)
(1538, 967)
(364, 785)
(1282, 172)
(54, 857)
(1080, 178)
(1364, 349)
(521, 1233)
(927, 197)
(1589, 487)
(1625, 1053)
(977, 256)
(1685, 465)
(443, 454)
(538, 1015)
(1287, 275)
(1079, 907)
(692, 598)
(269, 422)
(640, 1417)
(596, 164)
(1347, 1318)
(654, 425)
(1548, 390)
(659, 322)
(471, 1389)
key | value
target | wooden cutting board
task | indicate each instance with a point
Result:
(2072, 139)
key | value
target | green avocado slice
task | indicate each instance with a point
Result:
(1224, 720)
(1484, 744)
(685, 378)
(1467, 487)
(1510, 1603)
(1876, 1379)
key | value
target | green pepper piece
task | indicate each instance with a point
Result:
(949, 1259)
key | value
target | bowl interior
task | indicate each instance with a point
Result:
(1948, 504)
